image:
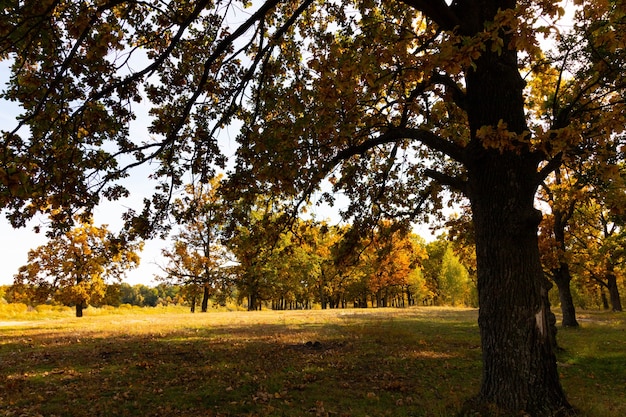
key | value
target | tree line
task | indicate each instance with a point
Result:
(114, 295)
(312, 264)
(218, 257)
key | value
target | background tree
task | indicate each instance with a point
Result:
(112, 295)
(131, 294)
(390, 100)
(72, 268)
(341, 278)
(389, 259)
(255, 237)
(589, 169)
(460, 233)
(433, 264)
(330, 279)
(574, 195)
(599, 246)
(197, 257)
(303, 261)
(447, 279)
(295, 271)
(562, 196)
(454, 281)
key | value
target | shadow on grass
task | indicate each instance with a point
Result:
(409, 362)
(398, 365)
(593, 364)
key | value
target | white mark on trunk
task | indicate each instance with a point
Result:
(540, 322)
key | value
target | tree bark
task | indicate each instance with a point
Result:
(611, 280)
(252, 300)
(519, 364)
(562, 277)
(79, 309)
(205, 299)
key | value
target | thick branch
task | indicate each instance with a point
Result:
(550, 167)
(437, 10)
(452, 88)
(394, 134)
(455, 183)
(386, 172)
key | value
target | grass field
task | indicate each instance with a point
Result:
(374, 362)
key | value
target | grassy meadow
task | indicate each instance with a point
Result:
(370, 362)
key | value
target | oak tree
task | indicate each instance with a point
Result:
(197, 259)
(390, 100)
(573, 194)
(73, 268)
(599, 249)
(562, 196)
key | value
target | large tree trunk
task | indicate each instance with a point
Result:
(519, 363)
(79, 309)
(563, 278)
(252, 300)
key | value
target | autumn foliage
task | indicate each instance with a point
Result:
(72, 268)
(401, 106)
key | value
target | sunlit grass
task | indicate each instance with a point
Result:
(376, 362)
(22, 312)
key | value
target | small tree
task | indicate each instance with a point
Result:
(72, 267)
(390, 258)
(453, 279)
(196, 259)
(599, 249)
(447, 277)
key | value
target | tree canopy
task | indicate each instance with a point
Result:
(197, 259)
(72, 268)
(393, 72)
(391, 102)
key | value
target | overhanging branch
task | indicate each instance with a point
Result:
(455, 183)
(395, 134)
(437, 10)
(552, 165)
